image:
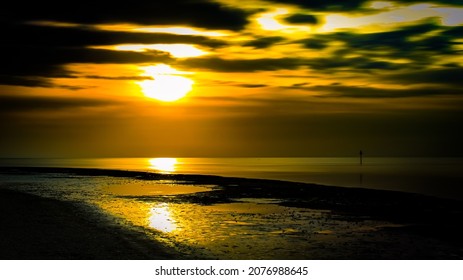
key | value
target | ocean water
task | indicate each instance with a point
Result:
(442, 177)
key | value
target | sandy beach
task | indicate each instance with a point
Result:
(160, 216)
(42, 228)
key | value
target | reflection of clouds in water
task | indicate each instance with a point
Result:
(161, 219)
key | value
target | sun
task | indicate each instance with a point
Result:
(166, 87)
(167, 84)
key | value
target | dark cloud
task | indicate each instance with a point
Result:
(119, 78)
(199, 13)
(421, 43)
(25, 81)
(452, 76)
(315, 43)
(30, 53)
(17, 70)
(32, 66)
(20, 104)
(360, 63)
(85, 55)
(396, 41)
(39, 35)
(241, 65)
(252, 85)
(455, 31)
(325, 5)
(363, 52)
(350, 5)
(372, 92)
(268, 64)
(400, 41)
(264, 42)
(298, 85)
(302, 19)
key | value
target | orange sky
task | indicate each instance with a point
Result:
(232, 78)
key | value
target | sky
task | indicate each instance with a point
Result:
(199, 78)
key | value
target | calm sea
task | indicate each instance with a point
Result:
(441, 177)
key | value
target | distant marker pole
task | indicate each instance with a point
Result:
(361, 157)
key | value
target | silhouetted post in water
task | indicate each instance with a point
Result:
(361, 157)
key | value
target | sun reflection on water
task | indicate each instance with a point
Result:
(163, 165)
(161, 218)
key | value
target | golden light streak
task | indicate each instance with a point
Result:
(179, 50)
(182, 31)
(54, 23)
(178, 30)
(176, 50)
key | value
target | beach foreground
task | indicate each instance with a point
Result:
(54, 213)
(42, 228)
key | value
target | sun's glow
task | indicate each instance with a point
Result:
(161, 69)
(176, 50)
(179, 50)
(163, 165)
(161, 219)
(268, 21)
(167, 85)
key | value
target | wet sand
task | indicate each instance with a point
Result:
(33, 227)
(249, 218)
